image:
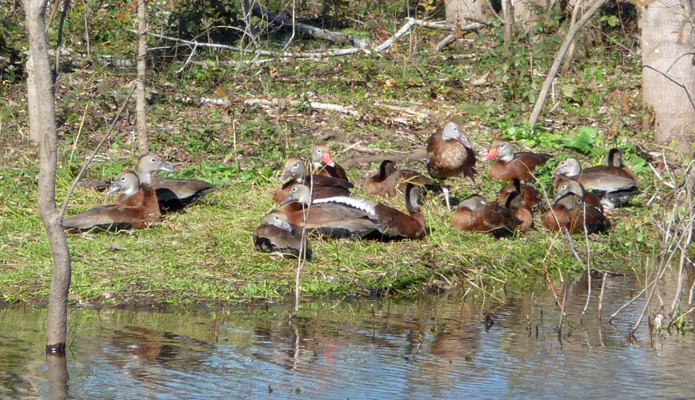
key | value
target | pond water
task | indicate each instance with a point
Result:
(436, 346)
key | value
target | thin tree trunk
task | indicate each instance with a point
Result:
(508, 10)
(42, 126)
(143, 139)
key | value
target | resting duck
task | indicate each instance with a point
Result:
(521, 209)
(175, 194)
(476, 214)
(574, 187)
(512, 165)
(277, 235)
(450, 154)
(572, 213)
(614, 166)
(351, 218)
(324, 186)
(613, 190)
(529, 195)
(118, 217)
(322, 163)
(389, 180)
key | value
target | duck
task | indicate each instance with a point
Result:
(172, 194)
(277, 235)
(121, 217)
(529, 195)
(614, 165)
(476, 214)
(449, 154)
(519, 165)
(572, 186)
(322, 163)
(175, 194)
(389, 181)
(400, 225)
(324, 186)
(336, 217)
(613, 190)
(521, 210)
(572, 213)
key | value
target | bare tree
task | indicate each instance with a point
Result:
(668, 80)
(42, 125)
(141, 101)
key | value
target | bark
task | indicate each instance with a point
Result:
(668, 78)
(42, 125)
(141, 101)
(465, 11)
(508, 10)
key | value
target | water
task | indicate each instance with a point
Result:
(431, 347)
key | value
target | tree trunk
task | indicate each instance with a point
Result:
(141, 101)
(464, 12)
(42, 126)
(508, 10)
(668, 79)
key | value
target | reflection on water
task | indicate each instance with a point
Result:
(431, 347)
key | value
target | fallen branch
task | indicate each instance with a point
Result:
(314, 105)
(558, 60)
(281, 21)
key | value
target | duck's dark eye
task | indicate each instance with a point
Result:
(153, 160)
(123, 178)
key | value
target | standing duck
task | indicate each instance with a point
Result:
(450, 154)
(390, 180)
(572, 213)
(512, 165)
(613, 190)
(324, 186)
(277, 235)
(614, 166)
(476, 214)
(115, 217)
(322, 163)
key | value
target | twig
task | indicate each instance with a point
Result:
(687, 92)
(588, 267)
(600, 297)
(558, 60)
(188, 60)
(96, 150)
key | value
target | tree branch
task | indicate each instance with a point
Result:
(558, 60)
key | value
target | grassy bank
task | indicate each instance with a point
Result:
(205, 254)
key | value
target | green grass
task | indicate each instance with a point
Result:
(205, 254)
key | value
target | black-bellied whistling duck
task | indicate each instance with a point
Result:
(389, 180)
(335, 217)
(614, 166)
(529, 195)
(116, 217)
(277, 235)
(571, 213)
(128, 184)
(511, 164)
(450, 154)
(322, 163)
(518, 206)
(398, 224)
(174, 194)
(476, 214)
(572, 186)
(324, 186)
(613, 190)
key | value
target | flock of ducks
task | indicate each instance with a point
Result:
(316, 197)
